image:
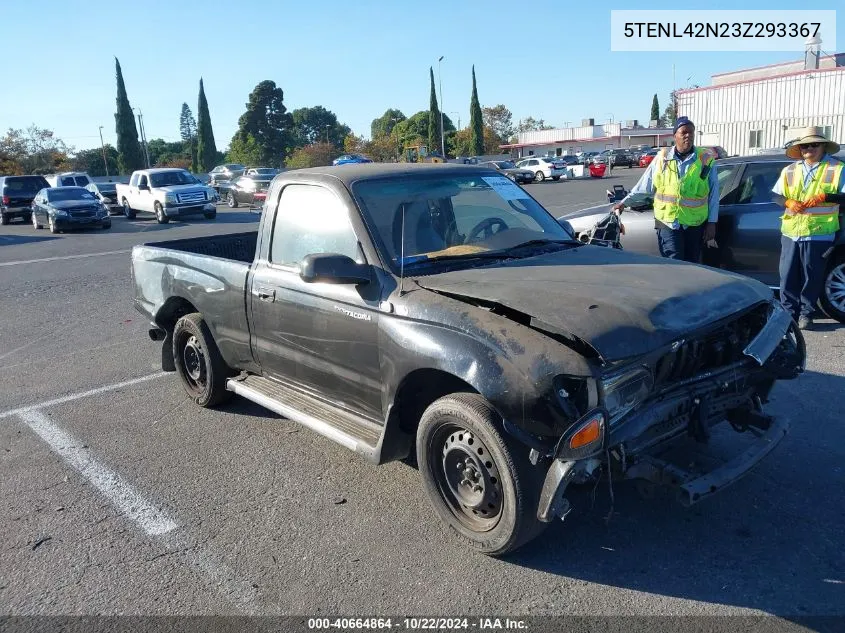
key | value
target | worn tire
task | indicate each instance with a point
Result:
(833, 280)
(161, 218)
(463, 419)
(53, 228)
(204, 382)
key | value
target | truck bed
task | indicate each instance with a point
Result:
(237, 246)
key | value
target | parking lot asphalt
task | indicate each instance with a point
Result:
(119, 496)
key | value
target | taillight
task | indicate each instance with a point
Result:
(5, 199)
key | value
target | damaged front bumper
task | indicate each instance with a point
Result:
(633, 448)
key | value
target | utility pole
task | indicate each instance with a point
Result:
(327, 133)
(442, 138)
(103, 145)
(143, 137)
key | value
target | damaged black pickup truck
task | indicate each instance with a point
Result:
(439, 313)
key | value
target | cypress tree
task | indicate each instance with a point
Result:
(206, 149)
(129, 154)
(476, 121)
(434, 144)
(655, 109)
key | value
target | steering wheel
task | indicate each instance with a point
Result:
(484, 229)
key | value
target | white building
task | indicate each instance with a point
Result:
(588, 137)
(748, 111)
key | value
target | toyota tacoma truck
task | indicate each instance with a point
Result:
(167, 193)
(439, 314)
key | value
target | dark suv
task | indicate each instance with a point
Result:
(18, 193)
(619, 157)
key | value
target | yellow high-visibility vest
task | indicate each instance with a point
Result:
(682, 199)
(819, 220)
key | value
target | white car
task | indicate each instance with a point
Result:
(168, 193)
(543, 167)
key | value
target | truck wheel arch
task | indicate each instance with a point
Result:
(167, 316)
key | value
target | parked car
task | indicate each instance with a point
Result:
(347, 159)
(543, 167)
(66, 208)
(748, 232)
(619, 157)
(17, 193)
(647, 157)
(69, 179)
(228, 171)
(506, 167)
(441, 311)
(250, 190)
(168, 193)
(263, 172)
(106, 192)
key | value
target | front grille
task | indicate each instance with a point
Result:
(83, 213)
(717, 348)
(193, 196)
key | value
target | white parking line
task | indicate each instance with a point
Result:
(54, 259)
(84, 394)
(111, 485)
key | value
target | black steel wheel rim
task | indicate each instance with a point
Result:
(467, 477)
(192, 358)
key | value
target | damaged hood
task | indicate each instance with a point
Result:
(622, 304)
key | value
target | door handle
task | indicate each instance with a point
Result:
(266, 294)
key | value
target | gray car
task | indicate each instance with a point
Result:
(748, 232)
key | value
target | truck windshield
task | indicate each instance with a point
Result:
(167, 178)
(424, 218)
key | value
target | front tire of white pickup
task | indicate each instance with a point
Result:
(200, 366)
(128, 211)
(478, 480)
(161, 217)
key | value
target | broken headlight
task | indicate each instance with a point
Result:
(622, 392)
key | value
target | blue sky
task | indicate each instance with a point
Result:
(549, 60)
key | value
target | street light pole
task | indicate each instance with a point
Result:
(440, 81)
(458, 118)
(327, 133)
(103, 145)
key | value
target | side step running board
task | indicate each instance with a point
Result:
(347, 430)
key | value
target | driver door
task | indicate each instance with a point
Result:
(321, 337)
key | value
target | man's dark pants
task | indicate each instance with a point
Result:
(682, 243)
(801, 275)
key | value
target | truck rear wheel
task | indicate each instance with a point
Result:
(479, 481)
(200, 366)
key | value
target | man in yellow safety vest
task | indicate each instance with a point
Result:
(810, 190)
(682, 179)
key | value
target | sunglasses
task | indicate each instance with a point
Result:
(804, 146)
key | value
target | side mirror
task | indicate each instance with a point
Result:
(332, 268)
(567, 227)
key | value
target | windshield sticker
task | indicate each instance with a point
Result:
(505, 187)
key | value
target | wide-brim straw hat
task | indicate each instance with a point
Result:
(812, 134)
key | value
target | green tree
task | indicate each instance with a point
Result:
(315, 155)
(312, 125)
(130, 155)
(530, 124)
(383, 126)
(188, 132)
(434, 144)
(207, 155)
(161, 152)
(415, 129)
(500, 120)
(668, 119)
(476, 121)
(655, 109)
(269, 122)
(244, 152)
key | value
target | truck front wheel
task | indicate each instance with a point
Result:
(200, 366)
(479, 481)
(161, 217)
(128, 211)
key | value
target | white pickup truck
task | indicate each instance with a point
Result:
(168, 193)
